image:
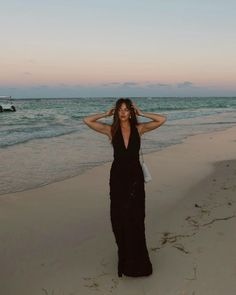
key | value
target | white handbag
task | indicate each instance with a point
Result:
(146, 173)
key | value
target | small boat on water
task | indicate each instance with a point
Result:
(6, 104)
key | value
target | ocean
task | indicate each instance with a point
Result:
(46, 141)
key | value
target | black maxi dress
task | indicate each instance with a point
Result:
(127, 206)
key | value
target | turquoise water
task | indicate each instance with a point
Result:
(45, 140)
(45, 118)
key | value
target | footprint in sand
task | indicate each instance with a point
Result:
(101, 284)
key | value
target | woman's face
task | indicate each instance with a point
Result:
(123, 112)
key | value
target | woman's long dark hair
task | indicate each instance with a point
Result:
(116, 120)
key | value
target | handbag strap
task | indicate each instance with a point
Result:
(141, 154)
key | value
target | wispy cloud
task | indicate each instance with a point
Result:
(151, 85)
(130, 84)
(111, 84)
(185, 84)
(133, 84)
(122, 84)
(27, 73)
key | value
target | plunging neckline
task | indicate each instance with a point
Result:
(126, 148)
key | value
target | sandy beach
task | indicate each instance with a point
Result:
(57, 239)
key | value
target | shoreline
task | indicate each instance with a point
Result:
(60, 235)
(77, 174)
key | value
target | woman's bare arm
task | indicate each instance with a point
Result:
(158, 120)
(91, 121)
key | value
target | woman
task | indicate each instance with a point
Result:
(127, 194)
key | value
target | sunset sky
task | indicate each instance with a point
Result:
(86, 48)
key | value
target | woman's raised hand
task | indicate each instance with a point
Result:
(136, 109)
(110, 111)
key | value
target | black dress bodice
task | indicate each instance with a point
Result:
(131, 153)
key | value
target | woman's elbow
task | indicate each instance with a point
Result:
(85, 120)
(164, 118)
